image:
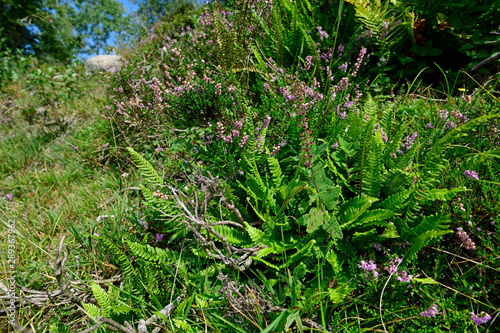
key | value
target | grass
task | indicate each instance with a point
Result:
(57, 190)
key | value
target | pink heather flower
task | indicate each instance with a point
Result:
(10, 196)
(468, 243)
(368, 267)
(159, 237)
(159, 149)
(322, 34)
(393, 265)
(335, 145)
(403, 276)
(266, 86)
(480, 319)
(471, 174)
(430, 312)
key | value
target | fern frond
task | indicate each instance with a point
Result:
(59, 328)
(373, 173)
(102, 298)
(92, 310)
(372, 217)
(277, 174)
(233, 236)
(353, 208)
(431, 228)
(395, 202)
(255, 234)
(150, 253)
(145, 168)
(445, 194)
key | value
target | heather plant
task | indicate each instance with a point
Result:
(277, 191)
(311, 205)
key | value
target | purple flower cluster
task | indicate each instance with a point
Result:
(407, 143)
(361, 57)
(277, 148)
(403, 276)
(443, 116)
(468, 243)
(327, 55)
(471, 174)
(392, 268)
(343, 67)
(340, 50)
(430, 312)
(482, 318)
(322, 33)
(159, 237)
(308, 61)
(368, 267)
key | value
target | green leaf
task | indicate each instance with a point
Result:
(255, 234)
(315, 220)
(300, 253)
(332, 259)
(300, 271)
(425, 280)
(333, 228)
(276, 323)
(338, 294)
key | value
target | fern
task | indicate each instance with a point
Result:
(145, 168)
(233, 236)
(59, 328)
(373, 174)
(92, 311)
(351, 209)
(431, 228)
(374, 14)
(395, 202)
(150, 253)
(277, 174)
(435, 163)
(130, 273)
(255, 234)
(102, 297)
(372, 217)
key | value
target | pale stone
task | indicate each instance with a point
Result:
(103, 62)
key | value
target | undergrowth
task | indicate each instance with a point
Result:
(246, 171)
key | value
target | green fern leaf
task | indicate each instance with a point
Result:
(145, 168)
(445, 194)
(102, 298)
(92, 311)
(353, 208)
(369, 218)
(431, 228)
(395, 201)
(59, 328)
(255, 234)
(150, 253)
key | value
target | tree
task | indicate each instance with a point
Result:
(37, 27)
(151, 11)
(96, 20)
